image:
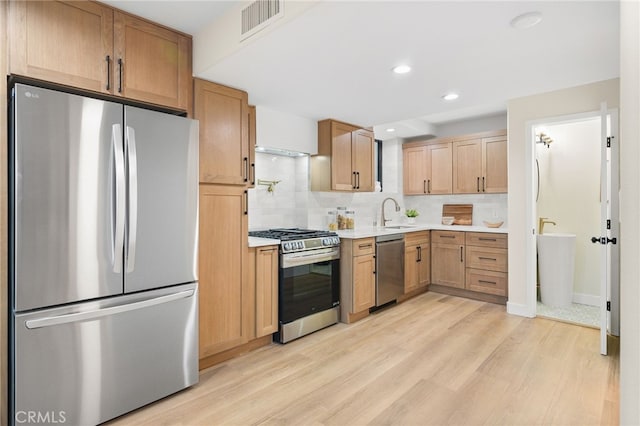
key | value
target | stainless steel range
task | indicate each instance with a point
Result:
(309, 280)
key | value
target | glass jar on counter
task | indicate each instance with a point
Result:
(332, 220)
(350, 219)
(342, 217)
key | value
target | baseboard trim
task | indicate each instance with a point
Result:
(586, 299)
(520, 310)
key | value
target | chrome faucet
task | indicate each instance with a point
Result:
(541, 223)
(384, 220)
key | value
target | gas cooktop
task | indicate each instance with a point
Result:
(297, 239)
(289, 234)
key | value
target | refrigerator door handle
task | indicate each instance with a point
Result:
(118, 160)
(132, 163)
(99, 313)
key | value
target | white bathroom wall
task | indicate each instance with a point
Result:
(570, 196)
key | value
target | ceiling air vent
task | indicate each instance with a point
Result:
(260, 14)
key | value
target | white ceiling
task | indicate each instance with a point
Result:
(335, 60)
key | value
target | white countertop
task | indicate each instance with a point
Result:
(364, 232)
(261, 242)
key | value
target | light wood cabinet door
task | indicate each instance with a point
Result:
(342, 177)
(494, 164)
(362, 145)
(467, 167)
(414, 163)
(439, 168)
(417, 267)
(364, 284)
(153, 64)
(266, 290)
(224, 133)
(447, 265)
(65, 42)
(225, 305)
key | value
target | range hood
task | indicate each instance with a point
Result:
(282, 133)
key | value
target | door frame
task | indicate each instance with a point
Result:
(531, 211)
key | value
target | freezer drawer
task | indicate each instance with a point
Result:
(94, 361)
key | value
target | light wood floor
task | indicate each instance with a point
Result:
(434, 359)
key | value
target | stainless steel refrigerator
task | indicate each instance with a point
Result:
(103, 289)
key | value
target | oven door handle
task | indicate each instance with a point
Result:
(292, 260)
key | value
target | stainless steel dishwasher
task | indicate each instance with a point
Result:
(389, 268)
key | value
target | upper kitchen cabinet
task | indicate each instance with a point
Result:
(66, 42)
(224, 133)
(152, 63)
(427, 167)
(480, 163)
(345, 160)
(91, 46)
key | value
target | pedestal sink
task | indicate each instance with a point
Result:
(556, 264)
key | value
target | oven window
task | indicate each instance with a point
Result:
(307, 289)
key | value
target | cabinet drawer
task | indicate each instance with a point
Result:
(416, 238)
(486, 239)
(487, 282)
(447, 237)
(364, 246)
(491, 259)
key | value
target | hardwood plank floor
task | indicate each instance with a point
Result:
(434, 359)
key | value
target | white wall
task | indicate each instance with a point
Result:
(629, 213)
(521, 111)
(570, 196)
(474, 125)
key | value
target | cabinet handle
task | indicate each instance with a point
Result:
(268, 250)
(246, 202)
(487, 282)
(447, 236)
(253, 173)
(428, 186)
(357, 180)
(353, 178)
(486, 239)
(108, 72)
(419, 254)
(245, 161)
(363, 246)
(424, 186)
(120, 75)
(483, 184)
(461, 258)
(488, 258)
(478, 184)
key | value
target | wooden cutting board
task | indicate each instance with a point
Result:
(462, 213)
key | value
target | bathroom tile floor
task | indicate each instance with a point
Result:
(577, 314)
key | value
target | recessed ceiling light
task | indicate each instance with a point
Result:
(450, 96)
(391, 129)
(402, 69)
(526, 20)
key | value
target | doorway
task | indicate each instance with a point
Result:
(572, 170)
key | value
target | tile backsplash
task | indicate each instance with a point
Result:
(292, 204)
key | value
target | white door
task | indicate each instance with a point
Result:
(608, 238)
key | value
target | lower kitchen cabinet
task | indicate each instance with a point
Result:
(487, 263)
(447, 258)
(470, 264)
(417, 261)
(357, 278)
(264, 262)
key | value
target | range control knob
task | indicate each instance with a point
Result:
(326, 241)
(287, 246)
(300, 245)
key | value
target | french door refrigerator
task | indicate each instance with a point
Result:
(103, 289)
